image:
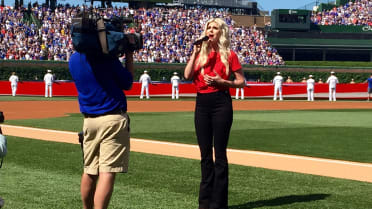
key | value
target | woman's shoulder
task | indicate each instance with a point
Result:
(232, 53)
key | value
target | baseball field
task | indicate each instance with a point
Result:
(46, 174)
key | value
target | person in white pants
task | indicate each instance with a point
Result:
(14, 83)
(241, 90)
(48, 80)
(175, 80)
(278, 81)
(310, 88)
(145, 79)
(332, 82)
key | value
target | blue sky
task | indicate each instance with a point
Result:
(268, 5)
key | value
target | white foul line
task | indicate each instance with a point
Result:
(341, 162)
(40, 129)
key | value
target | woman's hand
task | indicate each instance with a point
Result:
(189, 69)
(197, 49)
(238, 82)
(213, 80)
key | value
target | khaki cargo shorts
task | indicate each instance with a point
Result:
(106, 144)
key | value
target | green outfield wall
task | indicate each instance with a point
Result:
(35, 70)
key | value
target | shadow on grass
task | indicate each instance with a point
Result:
(285, 200)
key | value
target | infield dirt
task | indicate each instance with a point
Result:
(46, 109)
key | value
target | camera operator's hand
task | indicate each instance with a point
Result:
(129, 62)
(131, 40)
(139, 27)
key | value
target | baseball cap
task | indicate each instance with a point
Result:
(278, 73)
(175, 73)
(310, 76)
(49, 71)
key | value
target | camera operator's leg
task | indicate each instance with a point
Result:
(104, 190)
(87, 189)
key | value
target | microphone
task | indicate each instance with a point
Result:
(200, 41)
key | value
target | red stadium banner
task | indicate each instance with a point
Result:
(255, 90)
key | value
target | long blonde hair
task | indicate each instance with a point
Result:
(223, 45)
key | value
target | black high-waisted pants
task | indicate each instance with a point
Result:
(213, 120)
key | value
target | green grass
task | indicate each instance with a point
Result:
(46, 175)
(335, 134)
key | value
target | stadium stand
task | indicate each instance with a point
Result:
(351, 13)
(342, 33)
(168, 34)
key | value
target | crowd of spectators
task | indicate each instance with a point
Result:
(25, 40)
(352, 13)
(168, 34)
(17, 39)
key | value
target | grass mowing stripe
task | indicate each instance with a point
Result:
(342, 134)
(44, 175)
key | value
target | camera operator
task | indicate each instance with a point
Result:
(100, 80)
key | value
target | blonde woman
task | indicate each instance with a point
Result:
(210, 66)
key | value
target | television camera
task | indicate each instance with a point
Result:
(91, 33)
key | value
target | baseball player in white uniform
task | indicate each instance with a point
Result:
(310, 88)
(175, 80)
(241, 90)
(48, 80)
(332, 82)
(145, 79)
(14, 83)
(278, 81)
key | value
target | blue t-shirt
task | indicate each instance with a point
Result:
(100, 83)
(369, 83)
